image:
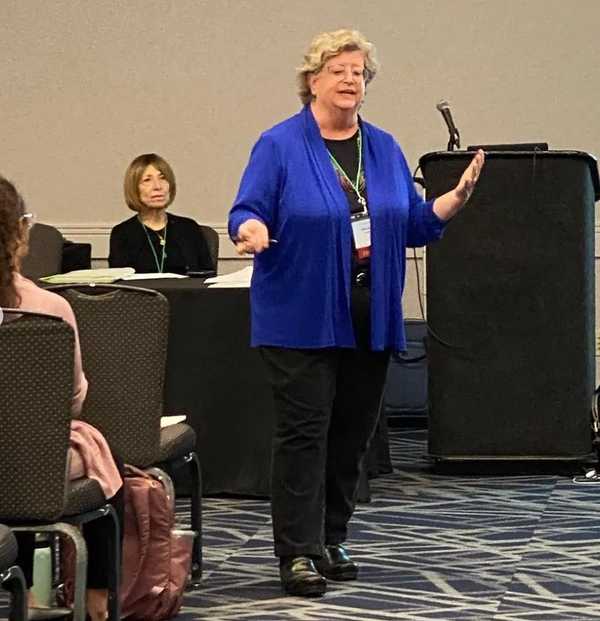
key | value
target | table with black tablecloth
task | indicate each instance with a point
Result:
(216, 379)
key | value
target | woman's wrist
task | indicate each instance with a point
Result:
(449, 204)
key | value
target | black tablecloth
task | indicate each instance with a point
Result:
(218, 381)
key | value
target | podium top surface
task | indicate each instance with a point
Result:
(587, 158)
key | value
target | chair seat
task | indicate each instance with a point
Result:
(8, 547)
(176, 441)
(84, 495)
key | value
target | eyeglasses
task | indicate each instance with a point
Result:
(29, 219)
(341, 71)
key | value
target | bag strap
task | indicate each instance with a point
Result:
(596, 423)
(133, 471)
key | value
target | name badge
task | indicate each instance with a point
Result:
(361, 232)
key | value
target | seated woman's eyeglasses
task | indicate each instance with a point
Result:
(29, 219)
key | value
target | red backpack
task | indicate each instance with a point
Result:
(156, 557)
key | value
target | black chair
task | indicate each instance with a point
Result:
(36, 384)
(123, 333)
(50, 253)
(45, 252)
(212, 239)
(11, 576)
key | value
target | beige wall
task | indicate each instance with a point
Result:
(87, 85)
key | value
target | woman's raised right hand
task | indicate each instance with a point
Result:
(252, 237)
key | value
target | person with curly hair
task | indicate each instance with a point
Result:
(16, 291)
(336, 195)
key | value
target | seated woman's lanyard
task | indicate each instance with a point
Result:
(163, 243)
(360, 222)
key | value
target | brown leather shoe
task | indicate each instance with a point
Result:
(299, 577)
(335, 564)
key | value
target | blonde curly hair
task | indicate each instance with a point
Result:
(327, 45)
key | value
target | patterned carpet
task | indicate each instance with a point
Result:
(431, 547)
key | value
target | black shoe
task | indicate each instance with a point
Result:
(335, 564)
(299, 577)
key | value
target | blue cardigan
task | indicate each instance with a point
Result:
(300, 291)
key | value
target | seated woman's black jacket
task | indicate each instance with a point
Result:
(131, 245)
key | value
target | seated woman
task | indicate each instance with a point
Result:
(152, 240)
(89, 454)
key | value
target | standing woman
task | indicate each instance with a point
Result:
(152, 240)
(336, 194)
(89, 453)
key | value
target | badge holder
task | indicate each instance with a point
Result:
(361, 233)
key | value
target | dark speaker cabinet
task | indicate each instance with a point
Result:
(405, 395)
(510, 304)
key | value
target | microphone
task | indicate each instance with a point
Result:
(444, 109)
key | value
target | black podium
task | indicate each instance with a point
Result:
(510, 306)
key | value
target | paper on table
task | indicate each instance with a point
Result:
(152, 276)
(229, 285)
(105, 275)
(165, 421)
(241, 278)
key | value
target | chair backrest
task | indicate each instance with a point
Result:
(212, 239)
(45, 252)
(36, 388)
(123, 332)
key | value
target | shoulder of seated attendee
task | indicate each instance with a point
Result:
(125, 225)
(38, 300)
(183, 224)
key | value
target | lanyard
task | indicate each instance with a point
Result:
(355, 185)
(163, 242)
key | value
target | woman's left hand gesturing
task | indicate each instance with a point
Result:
(447, 205)
(469, 178)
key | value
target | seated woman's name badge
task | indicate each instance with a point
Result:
(361, 232)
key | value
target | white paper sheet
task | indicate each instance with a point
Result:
(157, 275)
(241, 278)
(165, 421)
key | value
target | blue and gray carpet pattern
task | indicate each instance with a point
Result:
(431, 546)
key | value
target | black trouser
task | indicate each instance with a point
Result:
(96, 534)
(327, 404)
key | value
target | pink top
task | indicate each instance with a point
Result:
(33, 298)
(89, 454)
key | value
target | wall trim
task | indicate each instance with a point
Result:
(98, 234)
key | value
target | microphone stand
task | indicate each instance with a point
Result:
(454, 140)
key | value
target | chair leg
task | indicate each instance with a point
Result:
(196, 516)
(14, 582)
(81, 560)
(114, 578)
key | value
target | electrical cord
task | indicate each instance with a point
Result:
(398, 356)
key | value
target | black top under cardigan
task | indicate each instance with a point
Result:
(186, 247)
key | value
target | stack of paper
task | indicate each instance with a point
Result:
(239, 279)
(152, 276)
(106, 275)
